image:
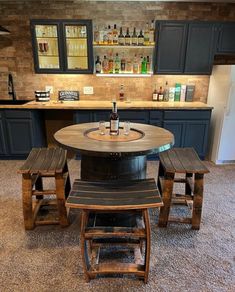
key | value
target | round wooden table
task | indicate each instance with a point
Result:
(105, 157)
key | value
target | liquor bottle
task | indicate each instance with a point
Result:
(117, 64)
(166, 92)
(140, 39)
(98, 65)
(155, 94)
(160, 94)
(134, 39)
(144, 66)
(135, 65)
(129, 68)
(127, 38)
(110, 35)
(123, 64)
(114, 121)
(105, 65)
(110, 64)
(96, 39)
(115, 35)
(148, 64)
(101, 35)
(105, 36)
(121, 39)
(151, 33)
(146, 34)
(121, 93)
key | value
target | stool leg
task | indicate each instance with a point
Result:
(160, 174)
(59, 181)
(68, 183)
(166, 197)
(39, 187)
(188, 190)
(197, 201)
(27, 201)
(84, 251)
(148, 244)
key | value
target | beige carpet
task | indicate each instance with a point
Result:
(48, 258)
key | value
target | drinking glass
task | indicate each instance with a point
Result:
(126, 128)
(102, 127)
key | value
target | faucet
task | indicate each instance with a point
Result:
(11, 90)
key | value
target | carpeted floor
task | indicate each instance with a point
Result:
(48, 258)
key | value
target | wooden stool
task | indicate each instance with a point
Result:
(41, 163)
(101, 202)
(185, 161)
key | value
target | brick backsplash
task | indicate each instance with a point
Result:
(16, 49)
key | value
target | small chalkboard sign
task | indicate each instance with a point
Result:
(68, 95)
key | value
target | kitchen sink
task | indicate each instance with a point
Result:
(14, 102)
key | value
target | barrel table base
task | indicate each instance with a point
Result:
(112, 168)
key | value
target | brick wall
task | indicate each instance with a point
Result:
(16, 50)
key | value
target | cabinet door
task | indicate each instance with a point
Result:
(47, 46)
(134, 116)
(77, 37)
(2, 138)
(200, 48)
(176, 128)
(226, 42)
(196, 136)
(170, 47)
(20, 135)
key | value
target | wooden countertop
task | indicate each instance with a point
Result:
(93, 105)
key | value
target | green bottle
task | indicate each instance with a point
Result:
(144, 66)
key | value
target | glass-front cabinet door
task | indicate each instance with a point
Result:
(62, 46)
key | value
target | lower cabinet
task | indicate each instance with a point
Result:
(20, 131)
(190, 127)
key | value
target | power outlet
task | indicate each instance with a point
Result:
(49, 88)
(88, 90)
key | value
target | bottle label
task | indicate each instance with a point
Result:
(160, 97)
(98, 67)
(155, 95)
(114, 125)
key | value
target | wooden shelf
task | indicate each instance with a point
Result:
(124, 47)
(124, 75)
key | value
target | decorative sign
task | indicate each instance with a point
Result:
(68, 95)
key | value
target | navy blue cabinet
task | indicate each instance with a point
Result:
(226, 38)
(185, 47)
(20, 131)
(190, 128)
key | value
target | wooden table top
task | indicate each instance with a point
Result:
(154, 140)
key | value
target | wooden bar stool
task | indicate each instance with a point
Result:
(184, 161)
(43, 163)
(104, 206)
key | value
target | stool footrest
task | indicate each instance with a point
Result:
(110, 268)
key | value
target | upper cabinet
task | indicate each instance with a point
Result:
(184, 47)
(62, 46)
(226, 38)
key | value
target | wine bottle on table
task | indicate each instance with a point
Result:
(114, 120)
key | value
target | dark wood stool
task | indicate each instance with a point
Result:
(184, 161)
(104, 204)
(41, 163)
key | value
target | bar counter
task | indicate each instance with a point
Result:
(97, 104)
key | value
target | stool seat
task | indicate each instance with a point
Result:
(104, 205)
(41, 163)
(181, 161)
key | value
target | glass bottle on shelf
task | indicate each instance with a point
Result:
(129, 67)
(98, 65)
(141, 38)
(105, 36)
(151, 33)
(105, 65)
(101, 35)
(166, 92)
(123, 63)
(110, 35)
(146, 34)
(115, 35)
(121, 39)
(110, 64)
(114, 120)
(96, 39)
(160, 94)
(135, 65)
(144, 66)
(148, 64)
(134, 39)
(117, 64)
(127, 37)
